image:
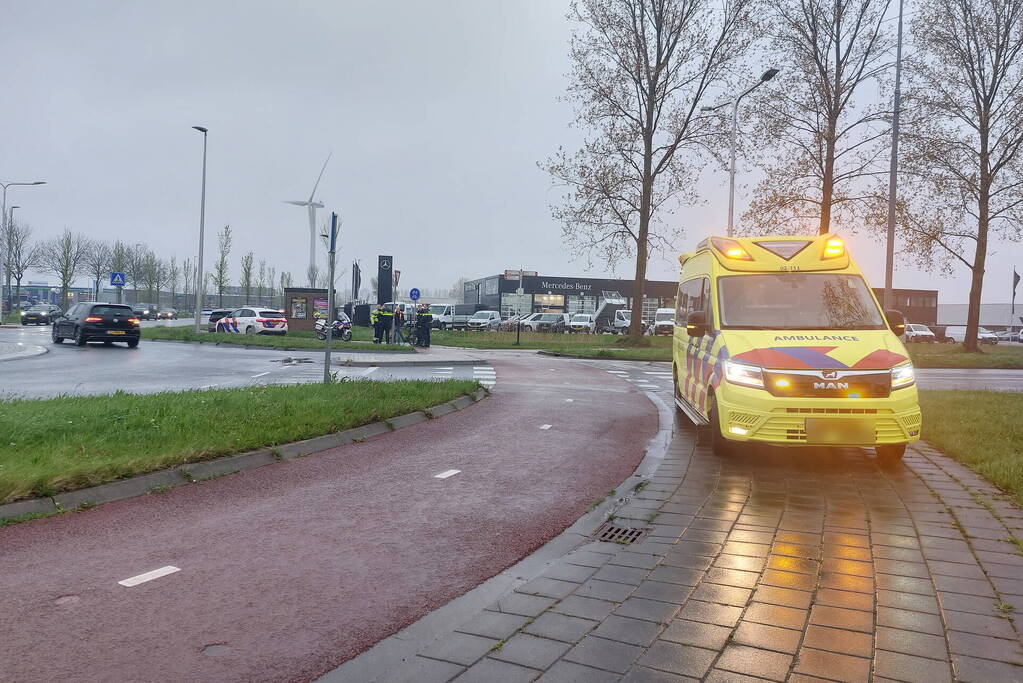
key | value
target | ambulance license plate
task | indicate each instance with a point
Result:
(115, 332)
(839, 432)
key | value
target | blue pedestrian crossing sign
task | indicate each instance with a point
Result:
(117, 279)
(414, 294)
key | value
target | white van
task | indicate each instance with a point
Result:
(957, 333)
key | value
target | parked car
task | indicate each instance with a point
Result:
(664, 322)
(484, 320)
(26, 304)
(957, 334)
(916, 332)
(167, 314)
(94, 321)
(581, 323)
(512, 322)
(145, 311)
(253, 320)
(1009, 335)
(215, 315)
(40, 314)
(548, 322)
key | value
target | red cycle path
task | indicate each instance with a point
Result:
(297, 567)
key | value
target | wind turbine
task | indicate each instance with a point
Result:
(312, 205)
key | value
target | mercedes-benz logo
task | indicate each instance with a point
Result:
(385, 265)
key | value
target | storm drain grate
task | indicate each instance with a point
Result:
(624, 535)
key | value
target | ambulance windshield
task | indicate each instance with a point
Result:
(797, 301)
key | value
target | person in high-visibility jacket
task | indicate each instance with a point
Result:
(375, 321)
(424, 320)
(386, 316)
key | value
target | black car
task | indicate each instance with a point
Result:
(215, 315)
(92, 321)
(40, 314)
(145, 311)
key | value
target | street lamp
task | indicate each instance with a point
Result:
(202, 231)
(764, 78)
(893, 175)
(4, 224)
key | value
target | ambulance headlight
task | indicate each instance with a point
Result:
(746, 375)
(902, 376)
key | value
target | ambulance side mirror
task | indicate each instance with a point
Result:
(696, 324)
(896, 321)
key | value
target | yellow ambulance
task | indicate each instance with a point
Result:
(779, 340)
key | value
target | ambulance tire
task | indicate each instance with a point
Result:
(719, 445)
(890, 454)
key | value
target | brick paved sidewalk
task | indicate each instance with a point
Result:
(776, 564)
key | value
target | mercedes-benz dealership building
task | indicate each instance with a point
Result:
(557, 294)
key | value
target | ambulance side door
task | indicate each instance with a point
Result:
(693, 351)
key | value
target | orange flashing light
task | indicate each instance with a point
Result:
(834, 247)
(731, 249)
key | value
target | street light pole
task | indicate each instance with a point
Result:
(3, 235)
(202, 231)
(331, 251)
(893, 175)
(764, 78)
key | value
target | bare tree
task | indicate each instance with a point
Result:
(173, 277)
(247, 267)
(823, 132)
(65, 257)
(97, 263)
(188, 274)
(312, 274)
(271, 279)
(220, 271)
(20, 254)
(120, 256)
(135, 267)
(963, 146)
(261, 280)
(151, 274)
(457, 290)
(640, 71)
(162, 277)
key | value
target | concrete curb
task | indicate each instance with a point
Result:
(392, 657)
(405, 363)
(28, 351)
(163, 480)
(277, 348)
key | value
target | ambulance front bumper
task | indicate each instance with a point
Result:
(749, 414)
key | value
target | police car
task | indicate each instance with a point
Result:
(253, 320)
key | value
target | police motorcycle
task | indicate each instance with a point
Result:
(341, 329)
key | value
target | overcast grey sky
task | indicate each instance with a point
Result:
(436, 114)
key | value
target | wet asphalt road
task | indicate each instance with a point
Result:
(290, 569)
(162, 366)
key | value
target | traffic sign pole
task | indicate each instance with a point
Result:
(330, 296)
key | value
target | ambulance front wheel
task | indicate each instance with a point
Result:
(718, 443)
(889, 454)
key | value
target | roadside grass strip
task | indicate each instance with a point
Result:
(298, 339)
(999, 356)
(67, 443)
(981, 429)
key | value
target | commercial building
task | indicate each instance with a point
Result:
(918, 305)
(558, 294)
(992, 316)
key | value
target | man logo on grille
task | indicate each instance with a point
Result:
(830, 385)
(829, 374)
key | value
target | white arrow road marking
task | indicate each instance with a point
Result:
(569, 400)
(446, 473)
(546, 426)
(149, 576)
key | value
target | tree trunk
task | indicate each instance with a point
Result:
(970, 341)
(17, 290)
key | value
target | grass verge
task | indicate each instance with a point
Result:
(954, 356)
(60, 444)
(981, 429)
(292, 340)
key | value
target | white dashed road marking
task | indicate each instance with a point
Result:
(149, 576)
(446, 473)
(260, 374)
(546, 426)
(370, 371)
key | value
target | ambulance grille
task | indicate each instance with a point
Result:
(744, 419)
(834, 411)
